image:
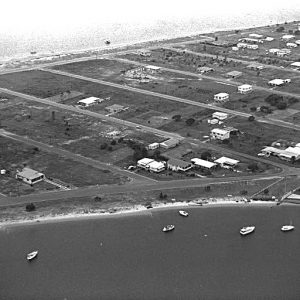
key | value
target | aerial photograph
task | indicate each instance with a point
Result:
(150, 150)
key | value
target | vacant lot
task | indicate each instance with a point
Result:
(14, 156)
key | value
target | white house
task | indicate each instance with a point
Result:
(269, 39)
(256, 36)
(152, 69)
(30, 176)
(144, 162)
(175, 164)
(221, 97)
(219, 115)
(170, 143)
(89, 101)
(287, 37)
(226, 162)
(245, 88)
(273, 50)
(219, 134)
(276, 82)
(291, 45)
(153, 146)
(156, 166)
(296, 65)
(203, 164)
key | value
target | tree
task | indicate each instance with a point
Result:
(280, 29)
(30, 207)
(176, 118)
(97, 198)
(253, 108)
(103, 146)
(281, 105)
(253, 167)
(244, 192)
(109, 148)
(207, 188)
(205, 155)
(251, 118)
(113, 142)
(190, 121)
(266, 191)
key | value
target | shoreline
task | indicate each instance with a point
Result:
(133, 211)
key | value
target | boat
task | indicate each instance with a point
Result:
(168, 228)
(32, 255)
(183, 213)
(287, 228)
(247, 230)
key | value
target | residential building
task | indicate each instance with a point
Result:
(203, 164)
(287, 37)
(156, 166)
(220, 134)
(269, 39)
(89, 101)
(219, 115)
(291, 45)
(113, 134)
(276, 82)
(251, 40)
(152, 69)
(153, 146)
(170, 143)
(267, 151)
(144, 162)
(296, 65)
(273, 50)
(175, 164)
(297, 42)
(144, 52)
(247, 46)
(226, 162)
(30, 176)
(204, 69)
(115, 108)
(233, 74)
(234, 48)
(245, 88)
(221, 97)
(256, 36)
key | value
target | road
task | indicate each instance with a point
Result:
(75, 157)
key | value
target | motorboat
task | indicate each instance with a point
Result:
(32, 255)
(287, 228)
(168, 228)
(183, 213)
(247, 230)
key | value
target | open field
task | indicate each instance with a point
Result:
(14, 156)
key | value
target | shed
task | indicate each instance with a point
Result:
(201, 163)
(175, 164)
(30, 176)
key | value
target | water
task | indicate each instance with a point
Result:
(129, 257)
(93, 31)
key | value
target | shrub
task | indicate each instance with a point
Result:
(207, 188)
(97, 198)
(113, 142)
(251, 118)
(205, 155)
(177, 118)
(253, 167)
(30, 207)
(190, 121)
(281, 105)
(103, 146)
(244, 192)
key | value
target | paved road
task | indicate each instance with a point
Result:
(246, 62)
(135, 187)
(92, 114)
(76, 157)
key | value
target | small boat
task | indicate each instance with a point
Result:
(168, 228)
(183, 213)
(287, 228)
(247, 230)
(32, 255)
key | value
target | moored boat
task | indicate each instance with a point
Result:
(32, 255)
(287, 227)
(247, 230)
(168, 228)
(183, 213)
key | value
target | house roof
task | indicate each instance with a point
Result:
(287, 36)
(153, 144)
(145, 161)
(296, 64)
(276, 81)
(245, 86)
(222, 94)
(219, 114)
(273, 150)
(170, 142)
(178, 162)
(89, 100)
(255, 35)
(226, 160)
(156, 165)
(205, 69)
(29, 173)
(152, 67)
(219, 131)
(203, 163)
(295, 150)
(269, 39)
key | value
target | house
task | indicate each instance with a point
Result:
(245, 88)
(226, 162)
(291, 45)
(144, 52)
(221, 97)
(144, 162)
(220, 134)
(287, 37)
(233, 74)
(251, 40)
(152, 69)
(170, 143)
(276, 82)
(255, 67)
(267, 151)
(234, 48)
(297, 42)
(156, 166)
(252, 47)
(175, 164)
(296, 65)
(204, 69)
(295, 151)
(115, 108)
(273, 50)
(256, 36)
(153, 146)
(203, 164)
(269, 39)
(30, 176)
(89, 101)
(219, 115)
(241, 45)
(113, 134)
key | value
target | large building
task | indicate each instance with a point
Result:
(30, 176)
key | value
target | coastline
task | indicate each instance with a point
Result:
(133, 210)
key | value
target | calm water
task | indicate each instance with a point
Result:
(129, 257)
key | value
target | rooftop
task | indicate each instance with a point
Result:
(226, 160)
(178, 162)
(29, 173)
(89, 100)
(203, 163)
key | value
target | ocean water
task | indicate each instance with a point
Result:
(94, 32)
(129, 257)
